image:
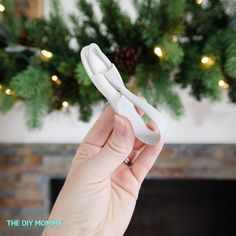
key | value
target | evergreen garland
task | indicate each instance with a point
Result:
(33, 86)
(171, 42)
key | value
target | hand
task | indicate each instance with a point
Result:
(100, 191)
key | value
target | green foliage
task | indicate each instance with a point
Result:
(184, 30)
(174, 9)
(230, 64)
(157, 89)
(33, 86)
(173, 54)
(81, 75)
(119, 27)
(207, 83)
(88, 93)
(10, 27)
(6, 102)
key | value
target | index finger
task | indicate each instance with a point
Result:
(101, 129)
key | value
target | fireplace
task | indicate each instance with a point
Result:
(190, 187)
(172, 207)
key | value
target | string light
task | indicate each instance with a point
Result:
(2, 8)
(157, 50)
(45, 55)
(56, 79)
(207, 61)
(0, 86)
(174, 38)
(8, 92)
(223, 84)
(65, 106)
(199, 2)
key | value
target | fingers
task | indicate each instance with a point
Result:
(146, 158)
(97, 136)
(101, 130)
(117, 148)
(138, 109)
(138, 146)
(140, 112)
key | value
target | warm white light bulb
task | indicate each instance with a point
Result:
(158, 51)
(223, 84)
(199, 2)
(8, 92)
(46, 54)
(2, 8)
(54, 78)
(205, 60)
(65, 104)
(208, 61)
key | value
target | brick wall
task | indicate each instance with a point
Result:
(25, 171)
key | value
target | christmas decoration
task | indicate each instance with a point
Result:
(207, 61)
(158, 51)
(2, 8)
(45, 55)
(170, 43)
(126, 59)
(223, 84)
(65, 106)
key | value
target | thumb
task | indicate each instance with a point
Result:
(117, 148)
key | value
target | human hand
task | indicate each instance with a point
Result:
(100, 191)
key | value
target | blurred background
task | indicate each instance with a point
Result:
(180, 55)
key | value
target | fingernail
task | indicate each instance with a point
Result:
(119, 125)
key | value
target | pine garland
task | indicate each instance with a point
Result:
(170, 42)
(33, 86)
(6, 102)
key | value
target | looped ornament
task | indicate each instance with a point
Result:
(108, 81)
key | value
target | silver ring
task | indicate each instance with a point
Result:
(128, 162)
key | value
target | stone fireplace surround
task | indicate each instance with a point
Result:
(27, 169)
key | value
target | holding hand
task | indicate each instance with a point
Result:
(102, 186)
